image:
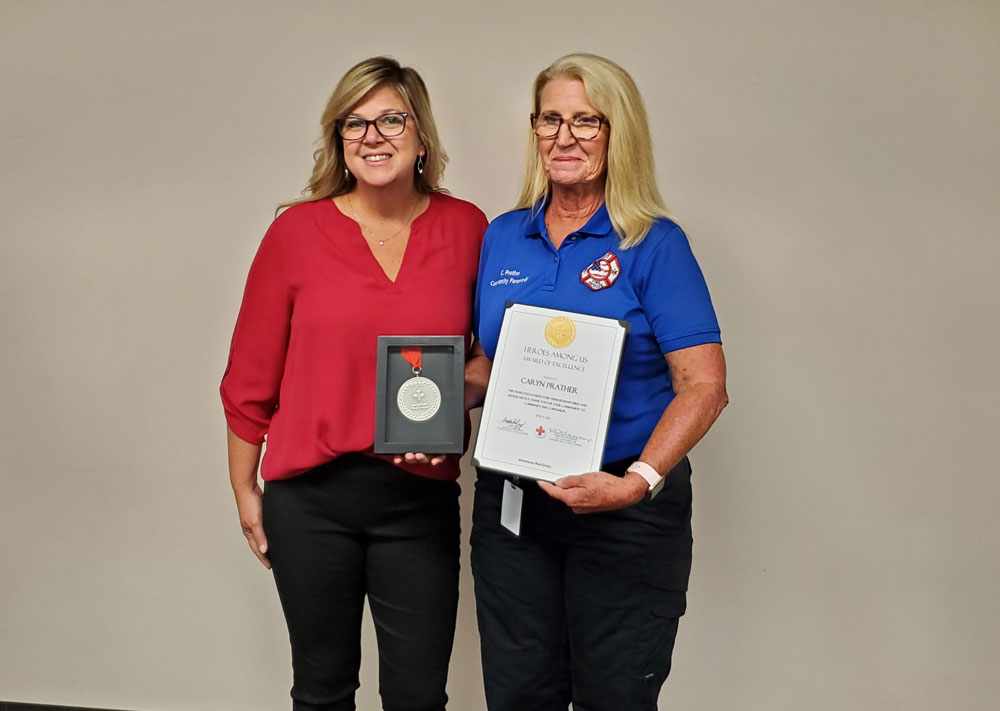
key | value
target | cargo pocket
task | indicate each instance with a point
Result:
(665, 586)
(663, 607)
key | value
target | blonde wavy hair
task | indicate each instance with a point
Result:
(329, 177)
(630, 191)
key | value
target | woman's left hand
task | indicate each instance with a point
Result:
(419, 458)
(699, 380)
(597, 491)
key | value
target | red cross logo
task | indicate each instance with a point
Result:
(540, 431)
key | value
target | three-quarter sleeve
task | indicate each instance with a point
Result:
(252, 380)
(674, 294)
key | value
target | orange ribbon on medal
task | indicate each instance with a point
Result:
(412, 354)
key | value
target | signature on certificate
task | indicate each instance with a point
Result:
(567, 437)
(512, 424)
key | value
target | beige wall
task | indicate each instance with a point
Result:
(836, 165)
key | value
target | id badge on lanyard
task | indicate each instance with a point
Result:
(510, 507)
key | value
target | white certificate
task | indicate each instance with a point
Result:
(550, 393)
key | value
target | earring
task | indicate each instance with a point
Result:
(420, 164)
(347, 174)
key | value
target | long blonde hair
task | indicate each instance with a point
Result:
(630, 191)
(329, 177)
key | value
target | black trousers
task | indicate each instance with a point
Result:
(580, 608)
(356, 527)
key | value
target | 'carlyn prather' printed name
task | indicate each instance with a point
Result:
(549, 385)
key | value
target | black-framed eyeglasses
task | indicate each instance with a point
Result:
(354, 128)
(581, 127)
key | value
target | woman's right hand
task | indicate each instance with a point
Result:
(249, 505)
(243, 459)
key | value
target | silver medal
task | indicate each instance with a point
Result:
(419, 399)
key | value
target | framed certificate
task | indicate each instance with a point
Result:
(550, 393)
(420, 395)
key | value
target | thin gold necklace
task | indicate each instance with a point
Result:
(371, 233)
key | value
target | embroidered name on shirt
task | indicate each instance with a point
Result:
(507, 277)
(602, 272)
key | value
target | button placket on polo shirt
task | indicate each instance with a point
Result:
(559, 255)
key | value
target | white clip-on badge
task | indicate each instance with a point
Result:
(510, 507)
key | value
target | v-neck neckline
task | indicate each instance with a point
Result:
(368, 249)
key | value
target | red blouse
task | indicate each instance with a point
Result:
(301, 367)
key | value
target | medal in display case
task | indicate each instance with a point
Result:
(420, 395)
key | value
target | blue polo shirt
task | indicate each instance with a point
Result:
(656, 286)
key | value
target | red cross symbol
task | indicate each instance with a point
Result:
(540, 431)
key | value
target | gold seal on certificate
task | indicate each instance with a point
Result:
(551, 390)
(560, 331)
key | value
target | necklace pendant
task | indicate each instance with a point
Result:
(381, 243)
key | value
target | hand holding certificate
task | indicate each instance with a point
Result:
(550, 393)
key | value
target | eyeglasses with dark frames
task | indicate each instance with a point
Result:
(390, 125)
(582, 127)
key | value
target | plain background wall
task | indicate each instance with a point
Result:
(836, 166)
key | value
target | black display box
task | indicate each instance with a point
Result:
(442, 361)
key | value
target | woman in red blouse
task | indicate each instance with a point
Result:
(376, 248)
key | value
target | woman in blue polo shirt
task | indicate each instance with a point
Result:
(583, 605)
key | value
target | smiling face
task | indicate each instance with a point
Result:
(571, 162)
(374, 160)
